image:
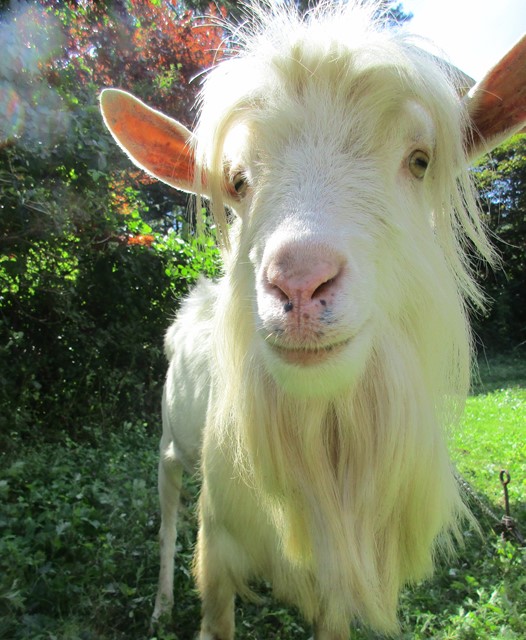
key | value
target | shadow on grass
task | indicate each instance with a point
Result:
(499, 372)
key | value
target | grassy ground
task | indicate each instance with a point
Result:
(78, 547)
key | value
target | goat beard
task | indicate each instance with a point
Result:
(359, 486)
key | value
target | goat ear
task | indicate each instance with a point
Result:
(154, 142)
(497, 104)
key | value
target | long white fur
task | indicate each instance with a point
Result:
(333, 482)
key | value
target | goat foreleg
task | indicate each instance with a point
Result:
(170, 481)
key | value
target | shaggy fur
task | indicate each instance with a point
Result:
(314, 384)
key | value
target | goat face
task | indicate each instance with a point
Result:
(324, 212)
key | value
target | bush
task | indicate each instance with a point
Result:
(83, 346)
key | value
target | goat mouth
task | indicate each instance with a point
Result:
(304, 356)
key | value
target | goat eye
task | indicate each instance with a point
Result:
(418, 163)
(240, 184)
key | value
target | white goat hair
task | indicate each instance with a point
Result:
(314, 383)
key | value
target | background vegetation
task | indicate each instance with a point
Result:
(94, 257)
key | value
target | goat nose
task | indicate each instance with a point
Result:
(303, 280)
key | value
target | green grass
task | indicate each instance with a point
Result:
(492, 438)
(78, 538)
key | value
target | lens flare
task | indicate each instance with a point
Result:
(31, 111)
(12, 113)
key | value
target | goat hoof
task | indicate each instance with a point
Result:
(160, 620)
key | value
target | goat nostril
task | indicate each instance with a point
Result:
(323, 289)
(279, 293)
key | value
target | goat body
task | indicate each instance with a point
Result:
(313, 384)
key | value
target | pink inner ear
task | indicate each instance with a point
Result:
(498, 103)
(154, 142)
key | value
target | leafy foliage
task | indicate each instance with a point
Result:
(501, 179)
(154, 48)
(93, 253)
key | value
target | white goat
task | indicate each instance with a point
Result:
(313, 383)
